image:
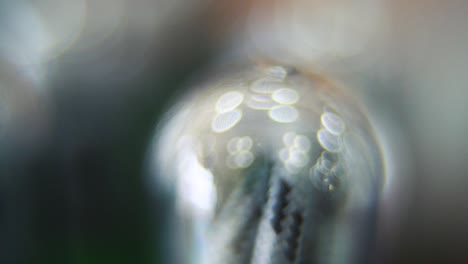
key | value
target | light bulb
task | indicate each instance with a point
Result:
(269, 165)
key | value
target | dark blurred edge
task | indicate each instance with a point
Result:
(81, 196)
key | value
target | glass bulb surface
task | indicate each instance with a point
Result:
(269, 165)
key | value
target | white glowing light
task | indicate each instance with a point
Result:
(288, 138)
(232, 145)
(244, 159)
(266, 85)
(244, 143)
(278, 72)
(302, 143)
(329, 141)
(333, 123)
(225, 121)
(260, 102)
(196, 189)
(229, 101)
(285, 96)
(283, 114)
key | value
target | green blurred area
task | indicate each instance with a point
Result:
(83, 196)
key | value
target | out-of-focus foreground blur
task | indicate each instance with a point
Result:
(84, 83)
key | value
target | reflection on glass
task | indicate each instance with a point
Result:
(270, 166)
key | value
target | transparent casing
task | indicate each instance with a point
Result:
(269, 165)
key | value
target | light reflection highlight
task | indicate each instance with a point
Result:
(255, 171)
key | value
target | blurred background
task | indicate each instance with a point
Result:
(84, 83)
